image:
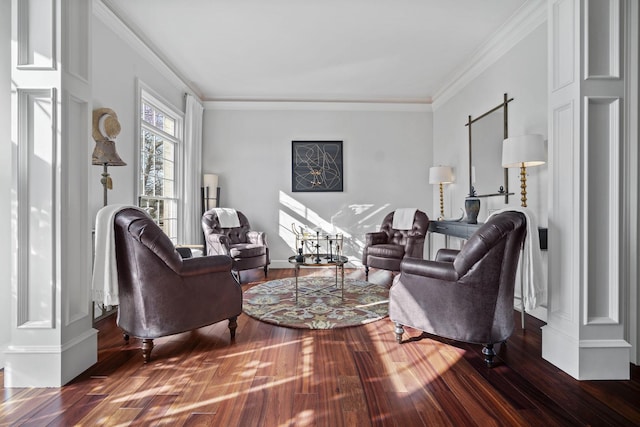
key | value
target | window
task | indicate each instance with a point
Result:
(158, 166)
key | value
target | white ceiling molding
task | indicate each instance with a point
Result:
(318, 106)
(529, 17)
(113, 21)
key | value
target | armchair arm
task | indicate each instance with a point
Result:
(372, 238)
(217, 244)
(205, 265)
(376, 238)
(257, 237)
(426, 268)
(447, 255)
(414, 247)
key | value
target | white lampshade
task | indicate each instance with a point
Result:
(525, 150)
(210, 191)
(210, 180)
(440, 174)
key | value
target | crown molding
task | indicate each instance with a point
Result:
(529, 17)
(319, 106)
(112, 20)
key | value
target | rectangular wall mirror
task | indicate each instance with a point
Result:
(487, 177)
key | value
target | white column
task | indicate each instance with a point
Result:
(587, 329)
(52, 338)
(5, 175)
(630, 217)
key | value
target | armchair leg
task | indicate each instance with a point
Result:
(147, 346)
(399, 331)
(233, 325)
(126, 337)
(489, 353)
(366, 272)
(266, 269)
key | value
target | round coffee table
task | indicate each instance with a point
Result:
(321, 260)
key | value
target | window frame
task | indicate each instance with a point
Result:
(147, 95)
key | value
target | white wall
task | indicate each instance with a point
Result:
(5, 174)
(117, 63)
(387, 155)
(522, 74)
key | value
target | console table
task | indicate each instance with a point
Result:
(464, 231)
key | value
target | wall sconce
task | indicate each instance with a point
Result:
(441, 175)
(210, 191)
(105, 129)
(523, 151)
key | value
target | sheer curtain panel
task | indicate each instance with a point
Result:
(192, 233)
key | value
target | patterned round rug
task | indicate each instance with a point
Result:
(275, 302)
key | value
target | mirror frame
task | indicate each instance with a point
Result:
(505, 193)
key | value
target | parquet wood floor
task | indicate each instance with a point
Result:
(360, 376)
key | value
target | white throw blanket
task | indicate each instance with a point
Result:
(105, 271)
(227, 217)
(534, 278)
(403, 218)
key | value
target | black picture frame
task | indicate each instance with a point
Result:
(316, 166)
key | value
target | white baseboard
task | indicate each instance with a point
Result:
(50, 366)
(586, 359)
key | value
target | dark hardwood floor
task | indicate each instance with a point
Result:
(360, 376)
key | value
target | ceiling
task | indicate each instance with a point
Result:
(316, 50)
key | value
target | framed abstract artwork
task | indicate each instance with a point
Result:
(316, 166)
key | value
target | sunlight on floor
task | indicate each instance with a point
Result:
(205, 376)
(424, 352)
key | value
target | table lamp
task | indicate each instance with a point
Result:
(523, 151)
(441, 175)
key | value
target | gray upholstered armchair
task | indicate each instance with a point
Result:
(464, 295)
(161, 293)
(248, 248)
(385, 249)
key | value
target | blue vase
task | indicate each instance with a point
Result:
(472, 208)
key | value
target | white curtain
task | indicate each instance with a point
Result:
(191, 208)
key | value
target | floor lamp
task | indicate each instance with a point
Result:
(105, 154)
(441, 175)
(210, 196)
(105, 129)
(210, 191)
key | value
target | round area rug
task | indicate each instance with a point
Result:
(275, 302)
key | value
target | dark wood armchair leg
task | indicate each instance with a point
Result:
(366, 272)
(147, 346)
(399, 331)
(489, 353)
(233, 325)
(266, 269)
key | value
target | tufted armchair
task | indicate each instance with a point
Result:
(464, 295)
(160, 293)
(247, 248)
(385, 249)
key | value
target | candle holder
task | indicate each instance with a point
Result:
(318, 260)
(330, 250)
